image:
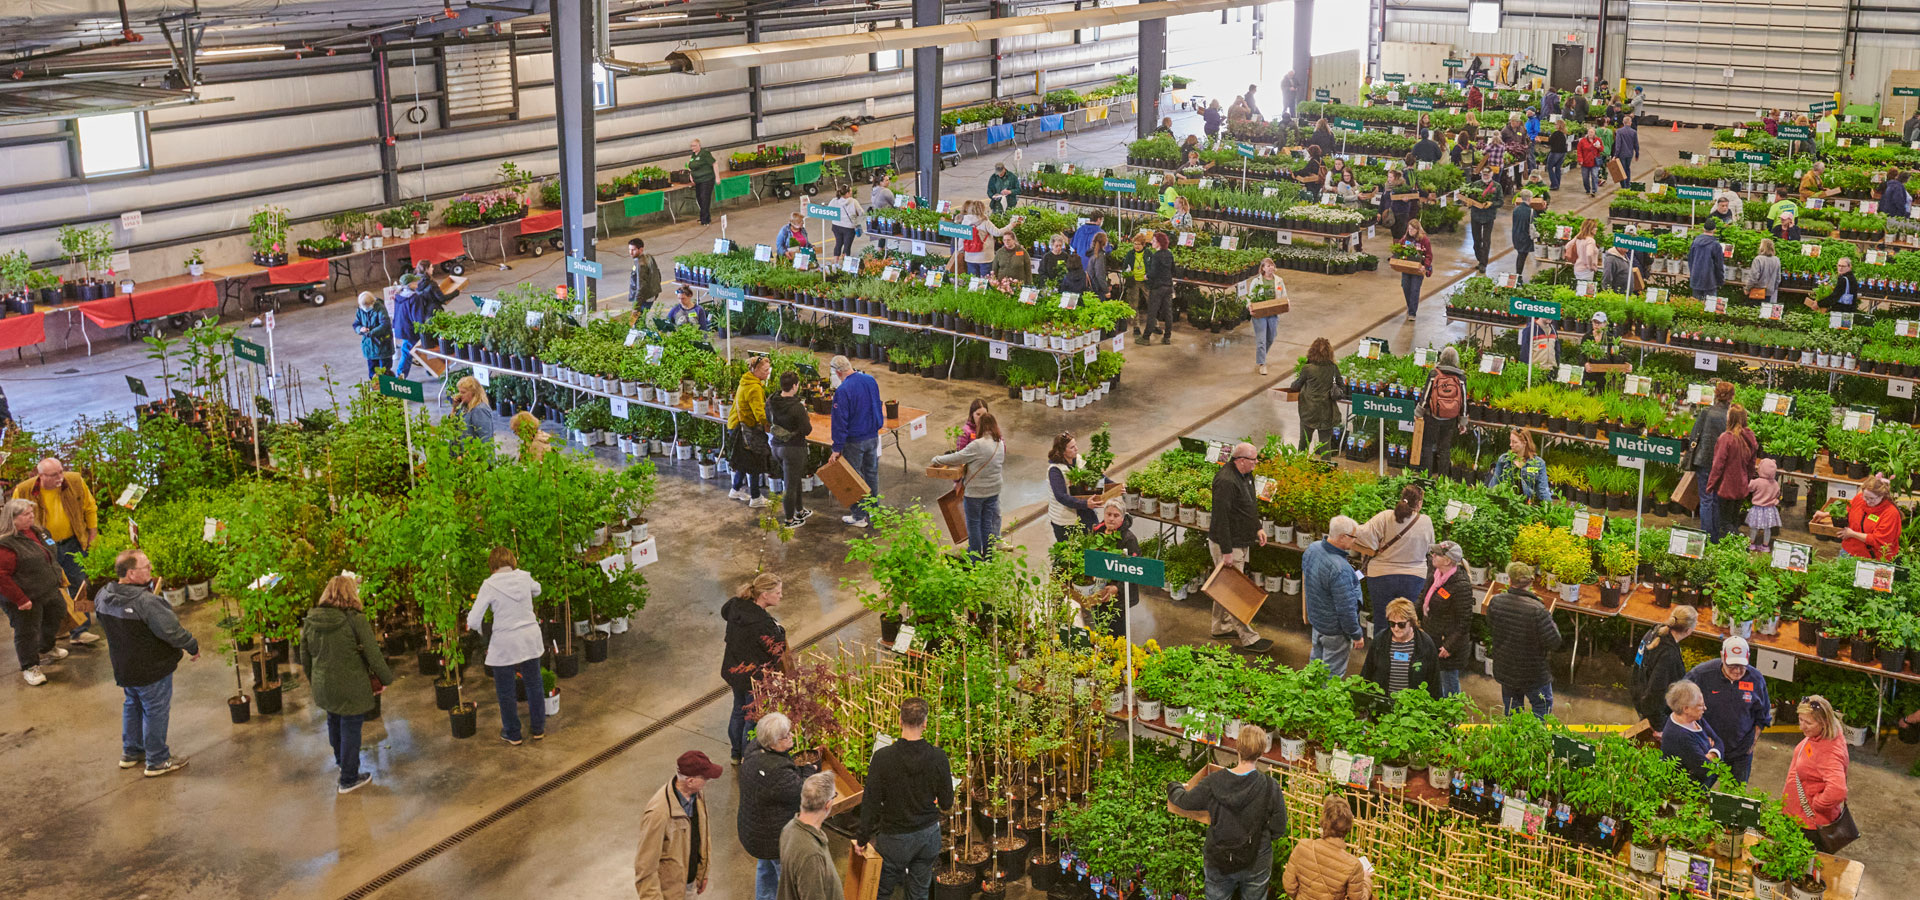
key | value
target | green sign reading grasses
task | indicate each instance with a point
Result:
(249, 351)
(1393, 78)
(1120, 185)
(1118, 567)
(1660, 450)
(1753, 158)
(1349, 124)
(1378, 407)
(1632, 242)
(1419, 103)
(401, 389)
(1795, 133)
(822, 211)
(1533, 309)
(1692, 192)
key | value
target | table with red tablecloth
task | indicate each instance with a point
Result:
(543, 222)
(306, 271)
(22, 331)
(172, 301)
(438, 248)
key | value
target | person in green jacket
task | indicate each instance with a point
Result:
(1167, 196)
(700, 166)
(345, 666)
(1606, 140)
(1320, 389)
(1003, 188)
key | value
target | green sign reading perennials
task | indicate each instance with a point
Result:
(401, 389)
(249, 351)
(956, 231)
(1244, 149)
(1118, 567)
(1419, 103)
(1659, 450)
(1349, 124)
(1378, 407)
(1692, 192)
(1753, 158)
(1631, 242)
(1795, 133)
(1533, 309)
(1120, 185)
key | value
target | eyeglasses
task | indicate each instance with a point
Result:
(1245, 458)
(1400, 623)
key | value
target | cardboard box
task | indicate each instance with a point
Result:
(947, 473)
(1290, 395)
(1409, 266)
(1687, 492)
(1198, 815)
(953, 509)
(1616, 170)
(452, 285)
(1234, 591)
(846, 484)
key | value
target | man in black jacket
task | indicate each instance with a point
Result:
(1247, 812)
(769, 797)
(1159, 289)
(145, 640)
(909, 784)
(1523, 634)
(1236, 528)
(1427, 150)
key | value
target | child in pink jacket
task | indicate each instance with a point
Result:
(1764, 516)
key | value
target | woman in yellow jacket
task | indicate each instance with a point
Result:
(747, 429)
(1322, 869)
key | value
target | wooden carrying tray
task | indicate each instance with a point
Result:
(1408, 266)
(1822, 524)
(846, 484)
(1235, 593)
(1272, 307)
(847, 789)
(1194, 782)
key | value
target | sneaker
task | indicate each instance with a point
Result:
(757, 503)
(1410, 317)
(855, 522)
(1166, 339)
(54, 655)
(1224, 635)
(514, 741)
(736, 494)
(538, 735)
(804, 514)
(34, 676)
(795, 521)
(1263, 368)
(172, 765)
(1260, 646)
(357, 784)
(85, 637)
(128, 762)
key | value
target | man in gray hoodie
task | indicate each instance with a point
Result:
(144, 640)
(1706, 266)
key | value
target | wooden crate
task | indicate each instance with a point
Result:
(452, 285)
(1289, 394)
(947, 473)
(845, 483)
(1234, 591)
(1267, 307)
(847, 789)
(1408, 266)
(1616, 170)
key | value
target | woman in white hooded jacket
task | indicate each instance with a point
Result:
(515, 646)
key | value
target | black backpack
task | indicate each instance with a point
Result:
(1238, 851)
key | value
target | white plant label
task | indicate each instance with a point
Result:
(1715, 305)
(1573, 376)
(1205, 183)
(862, 326)
(490, 308)
(1460, 509)
(997, 349)
(890, 273)
(1090, 353)
(722, 245)
(1699, 394)
(1423, 357)
(1269, 191)
(1656, 295)
(1638, 385)
(1369, 349)
(618, 406)
(1229, 242)
(1069, 299)
(1707, 362)
(935, 276)
(1492, 365)
(1873, 576)
(654, 353)
(1185, 239)
(209, 529)
(1840, 321)
(1874, 258)
(1791, 556)
(1772, 311)
(1119, 342)
(977, 283)
(1860, 420)
(1029, 295)
(633, 334)
(850, 264)
(802, 261)
(1778, 404)
(763, 252)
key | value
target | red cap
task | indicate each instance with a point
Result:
(694, 764)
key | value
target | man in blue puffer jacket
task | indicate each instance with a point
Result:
(1706, 267)
(1333, 596)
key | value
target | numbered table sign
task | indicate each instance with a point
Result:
(1492, 365)
(1900, 387)
(997, 349)
(1706, 362)
(1791, 556)
(1638, 386)
(618, 406)
(1570, 375)
(862, 326)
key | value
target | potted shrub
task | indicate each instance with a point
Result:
(195, 262)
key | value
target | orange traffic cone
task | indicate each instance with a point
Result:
(1676, 125)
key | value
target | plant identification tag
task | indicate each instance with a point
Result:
(850, 264)
(1874, 258)
(644, 554)
(1369, 348)
(490, 308)
(210, 529)
(654, 353)
(633, 334)
(1513, 814)
(763, 252)
(130, 497)
(802, 261)
(1571, 375)
(1657, 295)
(1637, 386)
(1423, 357)
(977, 283)
(1778, 404)
(997, 349)
(1185, 239)
(1069, 299)
(1269, 191)
(618, 406)
(1899, 387)
(890, 273)
(1563, 232)
(862, 326)
(1707, 362)
(1492, 365)
(265, 582)
(1717, 305)
(1510, 279)
(1772, 311)
(935, 277)
(1873, 576)
(1687, 542)
(1840, 321)
(917, 428)
(1588, 525)
(722, 246)
(1699, 394)
(1810, 249)
(612, 565)
(1029, 295)
(1791, 556)
(1090, 353)
(1460, 509)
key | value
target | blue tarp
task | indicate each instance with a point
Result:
(949, 143)
(999, 133)
(1052, 123)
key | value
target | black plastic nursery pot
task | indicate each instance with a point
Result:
(265, 669)
(240, 708)
(1809, 631)
(597, 644)
(1043, 870)
(429, 662)
(955, 883)
(1013, 859)
(268, 697)
(464, 720)
(1864, 650)
(1828, 646)
(567, 665)
(446, 695)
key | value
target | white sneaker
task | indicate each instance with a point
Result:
(1263, 368)
(56, 654)
(757, 503)
(857, 523)
(796, 522)
(34, 677)
(86, 637)
(736, 495)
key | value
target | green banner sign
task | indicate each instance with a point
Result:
(1483, 82)
(1795, 133)
(402, 389)
(1907, 92)
(1454, 63)
(1244, 149)
(1660, 450)
(735, 186)
(955, 230)
(1820, 106)
(1534, 70)
(1120, 185)
(249, 351)
(726, 292)
(1733, 811)
(1322, 94)
(823, 211)
(1752, 157)
(1349, 124)
(1118, 567)
(1419, 103)
(1377, 407)
(1632, 242)
(1394, 78)
(1692, 192)
(587, 267)
(1533, 309)
(1578, 753)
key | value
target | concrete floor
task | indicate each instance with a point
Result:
(256, 815)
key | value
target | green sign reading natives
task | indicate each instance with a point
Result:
(1120, 185)
(1533, 309)
(956, 231)
(1245, 149)
(402, 389)
(1483, 82)
(1692, 192)
(1119, 567)
(1394, 78)
(1349, 124)
(1660, 450)
(726, 292)
(1752, 157)
(1419, 103)
(1632, 242)
(823, 211)
(249, 351)
(1795, 133)
(1454, 63)
(1378, 407)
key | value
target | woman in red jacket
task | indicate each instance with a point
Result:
(1588, 152)
(1731, 477)
(1816, 788)
(1873, 522)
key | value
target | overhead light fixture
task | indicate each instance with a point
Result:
(657, 17)
(242, 49)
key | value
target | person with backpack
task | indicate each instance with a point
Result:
(1247, 812)
(979, 247)
(1443, 413)
(1657, 664)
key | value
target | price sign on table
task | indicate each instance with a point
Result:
(1090, 353)
(1709, 362)
(997, 349)
(917, 429)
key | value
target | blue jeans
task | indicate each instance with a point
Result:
(343, 732)
(1742, 766)
(1332, 649)
(909, 857)
(1247, 884)
(510, 708)
(1709, 505)
(1264, 329)
(143, 721)
(766, 879)
(864, 457)
(405, 354)
(1410, 290)
(737, 723)
(1626, 167)
(1449, 682)
(981, 269)
(69, 554)
(1590, 178)
(1540, 699)
(1383, 588)
(757, 480)
(983, 524)
(1555, 162)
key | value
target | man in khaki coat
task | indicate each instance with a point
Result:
(675, 834)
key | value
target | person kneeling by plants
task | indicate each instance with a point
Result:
(1247, 813)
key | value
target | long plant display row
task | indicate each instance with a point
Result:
(1280, 207)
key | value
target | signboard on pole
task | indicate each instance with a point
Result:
(1399, 409)
(1660, 450)
(1120, 567)
(402, 389)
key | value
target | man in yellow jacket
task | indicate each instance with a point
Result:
(675, 834)
(66, 509)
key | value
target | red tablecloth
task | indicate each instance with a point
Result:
(438, 248)
(309, 271)
(22, 331)
(175, 300)
(546, 221)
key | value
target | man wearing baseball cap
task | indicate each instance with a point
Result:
(1737, 704)
(675, 848)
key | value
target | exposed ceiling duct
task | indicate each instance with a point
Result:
(746, 56)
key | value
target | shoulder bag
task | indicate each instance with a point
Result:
(1836, 835)
(1390, 542)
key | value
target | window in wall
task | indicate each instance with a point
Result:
(889, 60)
(1483, 17)
(603, 96)
(1338, 26)
(112, 144)
(1087, 35)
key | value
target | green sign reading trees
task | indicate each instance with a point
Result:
(1660, 450)
(249, 351)
(1378, 407)
(402, 389)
